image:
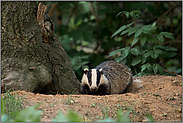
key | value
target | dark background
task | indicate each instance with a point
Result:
(85, 29)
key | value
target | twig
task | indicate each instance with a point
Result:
(93, 13)
(169, 10)
(172, 73)
(50, 13)
(171, 42)
(73, 11)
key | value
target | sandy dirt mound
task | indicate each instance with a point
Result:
(160, 96)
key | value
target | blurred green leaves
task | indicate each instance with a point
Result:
(141, 54)
(92, 28)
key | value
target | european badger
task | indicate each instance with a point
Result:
(109, 77)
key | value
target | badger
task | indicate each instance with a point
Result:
(107, 78)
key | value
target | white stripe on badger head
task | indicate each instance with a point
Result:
(94, 77)
(84, 80)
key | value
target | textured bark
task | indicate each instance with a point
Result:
(27, 62)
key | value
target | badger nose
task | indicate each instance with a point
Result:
(93, 88)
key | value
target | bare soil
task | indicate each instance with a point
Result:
(160, 96)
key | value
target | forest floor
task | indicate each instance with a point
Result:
(160, 96)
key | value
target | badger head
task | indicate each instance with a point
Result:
(94, 81)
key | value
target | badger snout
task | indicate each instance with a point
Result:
(93, 88)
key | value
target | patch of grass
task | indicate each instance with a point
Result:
(31, 114)
(69, 100)
(105, 109)
(12, 103)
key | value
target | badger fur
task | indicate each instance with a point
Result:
(109, 77)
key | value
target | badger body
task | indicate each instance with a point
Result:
(109, 77)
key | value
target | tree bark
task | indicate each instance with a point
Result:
(28, 62)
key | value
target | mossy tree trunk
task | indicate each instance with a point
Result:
(27, 61)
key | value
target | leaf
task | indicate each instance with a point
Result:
(134, 51)
(160, 69)
(160, 38)
(2, 106)
(107, 120)
(115, 52)
(146, 28)
(167, 34)
(154, 55)
(155, 68)
(125, 52)
(127, 14)
(29, 115)
(60, 117)
(159, 46)
(154, 24)
(135, 40)
(136, 61)
(138, 32)
(168, 54)
(128, 30)
(125, 31)
(143, 40)
(120, 13)
(149, 118)
(143, 67)
(143, 60)
(158, 51)
(167, 48)
(123, 117)
(149, 67)
(130, 24)
(73, 116)
(119, 30)
(118, 59)
(148, 53)
(133, 30)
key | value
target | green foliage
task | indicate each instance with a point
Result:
(70, 117)
(148, 52)
(12, 104)
(87, 27)
(29, 114)
(69, 100)
(149, 118)
(122, 117)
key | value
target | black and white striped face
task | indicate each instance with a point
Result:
(93, 78)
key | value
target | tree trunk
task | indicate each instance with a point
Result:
(29, 60)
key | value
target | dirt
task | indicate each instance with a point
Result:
(160, 96)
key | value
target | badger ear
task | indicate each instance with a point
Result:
(101, 72)
(85, 70)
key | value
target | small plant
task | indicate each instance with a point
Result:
(70, 117)
(12, 103)
(69, 100)
(105, 109)
(29, 114)
(149, 118)
(149, 51)
(93, 105)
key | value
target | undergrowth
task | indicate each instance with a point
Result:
(12, 103)
(12, 111)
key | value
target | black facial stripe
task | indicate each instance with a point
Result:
(89, 75)
(98, 77)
